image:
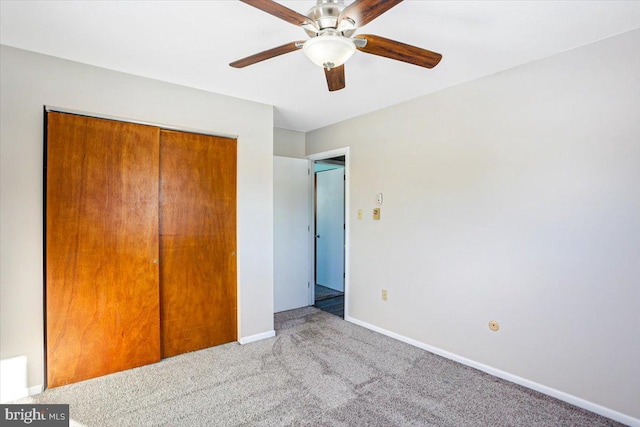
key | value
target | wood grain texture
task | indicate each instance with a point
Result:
(381, 46)
(364, 11)
(102, 297)
(335, 78)
(279, 11)
(267, 54)
(197, 241)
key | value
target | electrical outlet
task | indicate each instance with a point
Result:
(384, 295)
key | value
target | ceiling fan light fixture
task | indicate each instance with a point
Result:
(329, 50)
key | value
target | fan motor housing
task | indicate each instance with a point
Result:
(325, 14)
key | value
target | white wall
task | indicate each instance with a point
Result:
(29, 81)
(288, 143)
(513, 198)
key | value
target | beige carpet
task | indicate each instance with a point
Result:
(318, 371)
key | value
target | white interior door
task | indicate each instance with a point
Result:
(290, 233)
(330, 229)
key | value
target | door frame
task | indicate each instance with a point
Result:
(312, 254)
(55, 109)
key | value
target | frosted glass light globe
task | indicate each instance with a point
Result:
(329, 51)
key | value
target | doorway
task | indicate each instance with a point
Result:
(330, 237)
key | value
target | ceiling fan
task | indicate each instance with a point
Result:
(330, 25)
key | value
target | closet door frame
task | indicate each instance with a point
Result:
(47, 109)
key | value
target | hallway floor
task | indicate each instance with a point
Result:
(329, 300)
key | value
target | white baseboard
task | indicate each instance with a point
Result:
(13, 379)
(257, 337)
(560, 395)
(20, 393)
(36, 389)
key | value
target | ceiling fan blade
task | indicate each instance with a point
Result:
(380, 46)
(280, 11)
(267, 54)
(335, 78)
(364, 11)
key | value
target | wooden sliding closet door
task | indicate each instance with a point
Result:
(197, 241)
(102, 297)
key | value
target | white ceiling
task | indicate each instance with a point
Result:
(191, 43)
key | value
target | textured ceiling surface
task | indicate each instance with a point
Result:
(192, 42)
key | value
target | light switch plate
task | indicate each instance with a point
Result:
(376, 214)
